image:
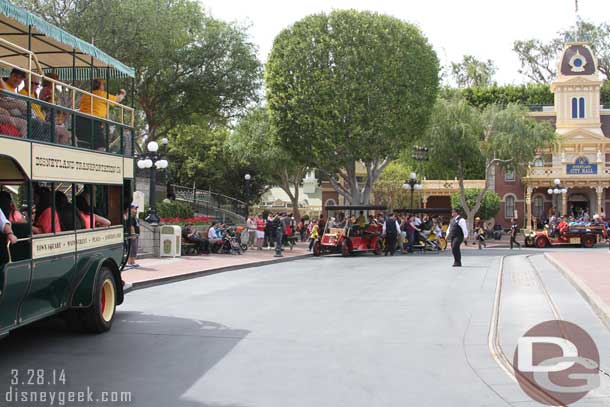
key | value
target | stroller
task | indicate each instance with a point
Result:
(230, 242)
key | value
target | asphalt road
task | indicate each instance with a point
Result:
(363, 331)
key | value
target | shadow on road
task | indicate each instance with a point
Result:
(156, 359)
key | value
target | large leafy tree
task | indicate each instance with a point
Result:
(539, 58)
(350, 88)
(506, 137)
(254, 143)
(200, 158)
(186, 62)
(473, 72)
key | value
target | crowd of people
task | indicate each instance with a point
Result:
(14, 111)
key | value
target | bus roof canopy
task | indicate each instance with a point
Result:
(53, 47)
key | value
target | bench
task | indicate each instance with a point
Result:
(189, 249)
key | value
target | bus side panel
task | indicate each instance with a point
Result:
(88, 265)
(50, 287)
(14, 286)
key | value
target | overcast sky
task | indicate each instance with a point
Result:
(483, 28)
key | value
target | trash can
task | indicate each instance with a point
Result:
(170, 240)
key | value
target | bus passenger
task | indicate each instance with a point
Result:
(8, 207)
(63, 208)
(82, 203)
(100, 106)
(43, 224)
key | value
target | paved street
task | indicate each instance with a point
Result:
(363, 331)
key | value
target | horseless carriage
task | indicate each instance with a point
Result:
(350, 236)
(575, 235)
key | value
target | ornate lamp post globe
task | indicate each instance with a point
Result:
(412, 184)
(555, 192)
(153, 160)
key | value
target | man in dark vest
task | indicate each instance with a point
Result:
(456, 234)
(391, 228)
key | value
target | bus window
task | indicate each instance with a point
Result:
(10, 205)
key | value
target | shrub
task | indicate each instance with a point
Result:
(173, 209)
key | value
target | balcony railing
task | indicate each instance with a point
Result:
(555, 172)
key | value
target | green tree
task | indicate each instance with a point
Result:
(388, 189)
(199, 157)
(506, 137)
(350, 88)
(254, 143)
(472, 72)
(490, 204)
(539, 58)
(186, 62)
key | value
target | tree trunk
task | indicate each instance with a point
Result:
(350, 189)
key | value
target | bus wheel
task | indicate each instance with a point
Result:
(529, 241)
(317, 248)
(588, 242)
(541, 242)
(99, 316)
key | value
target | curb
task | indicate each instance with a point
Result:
(598, 305)
(196, 274)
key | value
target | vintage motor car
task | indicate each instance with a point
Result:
(350, 238)
(575, 235)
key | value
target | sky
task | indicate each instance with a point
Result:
(485, 29)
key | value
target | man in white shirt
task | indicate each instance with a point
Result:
(456, 234)
(5, 227)
(214, 242)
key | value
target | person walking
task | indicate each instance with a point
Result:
(278, 231)
(514, 229)
(480, 232)
(456, 234)
(251, 224)
(390, 230)
(260, 231)
(314, 234)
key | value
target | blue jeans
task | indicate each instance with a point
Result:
(411, 237)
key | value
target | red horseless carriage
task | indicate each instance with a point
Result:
(350, 238)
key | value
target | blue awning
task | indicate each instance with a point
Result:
(54, 48)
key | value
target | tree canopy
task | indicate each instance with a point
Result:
(539, 58)
(473, 72)
(350, 87)
(186, 62)
(505, 137)
(254, 143)
(490, 203)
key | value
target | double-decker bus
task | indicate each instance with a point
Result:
(66, 175)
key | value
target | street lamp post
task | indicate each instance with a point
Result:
(555, 192)
(153, 160)
(412, 184)
(248, 179)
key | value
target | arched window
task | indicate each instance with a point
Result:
(538, 206)
(578, 108)
(509, 207)
(538, 162)
(574, 108)
(330, 202)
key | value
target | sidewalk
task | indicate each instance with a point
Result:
(590, 274)
(156, 271)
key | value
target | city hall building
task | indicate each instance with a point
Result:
(574, 175)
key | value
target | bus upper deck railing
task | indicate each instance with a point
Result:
(125, 116)
(28, 118)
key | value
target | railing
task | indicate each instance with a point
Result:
(220, 206)
(125, 116)
(451, 185)
(26, 117)
(545, 172)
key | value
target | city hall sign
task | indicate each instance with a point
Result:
(581, 166)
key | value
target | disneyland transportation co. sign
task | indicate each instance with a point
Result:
(70, 165)
(581, 167)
